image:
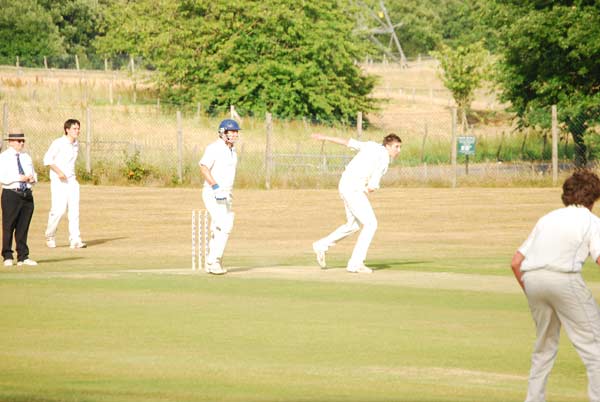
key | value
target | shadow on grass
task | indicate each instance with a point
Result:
(60, 259)
(95, 242)
(396, 264)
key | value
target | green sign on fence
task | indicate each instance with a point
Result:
(466, 145)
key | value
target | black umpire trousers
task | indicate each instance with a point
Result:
(17, 210)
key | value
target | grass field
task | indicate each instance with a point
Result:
(440, 319)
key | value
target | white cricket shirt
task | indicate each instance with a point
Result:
(63, 154)
(366, 168)
(9, 169)
(562, 240)
(222, 162)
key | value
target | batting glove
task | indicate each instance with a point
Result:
(220, 194)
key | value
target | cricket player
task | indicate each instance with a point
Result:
(218, 166)
(64, 187)
(548, 268)
(360, 178)
(17, 177)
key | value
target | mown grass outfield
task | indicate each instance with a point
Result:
(441, 318)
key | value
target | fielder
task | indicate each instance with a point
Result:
(218, 165)
(64, 187)
(360, 178)
(548, 268)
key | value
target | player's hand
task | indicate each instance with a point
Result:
(219, 193)
(317, 136)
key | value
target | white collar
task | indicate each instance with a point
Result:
(65, 138)
(14, 151)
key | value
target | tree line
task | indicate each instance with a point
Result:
(300, 58)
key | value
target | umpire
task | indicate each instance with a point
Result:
(17, 177)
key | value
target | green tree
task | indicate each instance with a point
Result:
(293, 59)
(78, 22)
(467, 22)
(420, 31)
(462, 71)
(426, 24)
(143, 29)
(550, 55)
(27, 31)
(418, 24)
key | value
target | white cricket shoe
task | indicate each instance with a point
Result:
(359, 269)
(8, 263)
(77, 244)
(215, 269)
(320, 255)
(50, 242)
(28, 261)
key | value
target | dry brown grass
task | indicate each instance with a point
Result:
(40, 100)
(463, 230)
(415, 100)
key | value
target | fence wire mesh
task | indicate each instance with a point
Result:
(128, 135)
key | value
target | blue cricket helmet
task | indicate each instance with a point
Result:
(228, 125)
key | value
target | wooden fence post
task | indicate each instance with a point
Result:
(359, 124)
(268, 150)
(425, 132)
(4, 123)
(453, 151)
(554, 145)
(179, 147)
(88, 140)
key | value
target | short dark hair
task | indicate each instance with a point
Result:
(581, 188)
(391, 138)
(70, 123)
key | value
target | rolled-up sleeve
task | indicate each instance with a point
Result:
(7, 175)
(30, 170)
(595, 239)
(524, 249)
(50, 155)
(208, 158)
(355, 145)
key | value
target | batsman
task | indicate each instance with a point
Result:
(218, 165)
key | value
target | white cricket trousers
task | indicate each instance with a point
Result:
(358, 212)
(221, 224)
(65, 197)
(557, 298)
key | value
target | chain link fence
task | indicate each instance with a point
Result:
(129, 135)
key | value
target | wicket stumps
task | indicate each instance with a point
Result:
(200, 237)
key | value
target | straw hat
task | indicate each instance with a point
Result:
(16, 134)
